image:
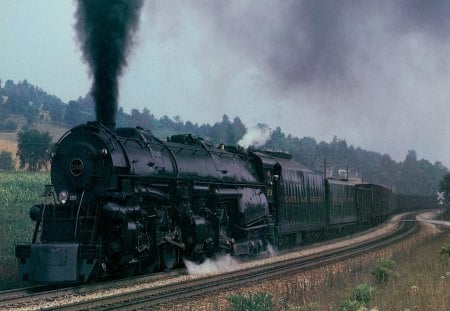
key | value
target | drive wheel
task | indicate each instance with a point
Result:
(128, 270)
(96, 273)
(170, 256)
(150, 265)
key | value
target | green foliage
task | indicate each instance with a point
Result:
(8, 125)
(383, 271)
(258, 301)
(79, 111)
(445, 250)
(350, 304)
(362, 293)
(33, 149)
(6, 161)
(445, 253)
(18, 192)
(412, 176)
(358, 298)
(444, 185)
(29, 101)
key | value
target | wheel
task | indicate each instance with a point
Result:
(169, 256)
(97, 272)
(149, 265)
(128, 270)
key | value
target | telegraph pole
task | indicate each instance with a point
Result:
(440, 199)
(325, 166)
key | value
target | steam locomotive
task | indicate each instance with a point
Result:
(124, 202)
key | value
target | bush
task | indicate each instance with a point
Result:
(358, 298)
(6, 161)
(383, 271)
(8, 125)
(445, 252)
(259, 301)
(351, 305)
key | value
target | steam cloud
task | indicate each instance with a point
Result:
(105, 29)
(314, 42)
(256, 136)
(218, 265)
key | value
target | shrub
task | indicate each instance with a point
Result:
(6, 161)
(383, 271)
(445, 252)
(258, 301)
(358, 298)
(351, 305)
(8, 125)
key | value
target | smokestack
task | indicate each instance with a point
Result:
(105, 29)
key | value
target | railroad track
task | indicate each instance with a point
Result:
(150, 293)
(23, 297)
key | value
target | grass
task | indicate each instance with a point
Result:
(419, 270)
(18, 192)
(412, 275)
(423, 281)
(419, 279)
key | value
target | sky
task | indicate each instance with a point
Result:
(375, 73)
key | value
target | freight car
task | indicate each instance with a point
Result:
(123, 202)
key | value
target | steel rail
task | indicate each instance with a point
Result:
(171, 293)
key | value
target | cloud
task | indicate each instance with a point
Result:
(374, 73)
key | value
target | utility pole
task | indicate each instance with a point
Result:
(324, 167)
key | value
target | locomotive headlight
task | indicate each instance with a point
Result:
(104, 152)
(63, 196)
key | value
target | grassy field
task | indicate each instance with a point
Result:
(416, 278)
(412, 275)
(18, 192)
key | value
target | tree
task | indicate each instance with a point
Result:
(79, 111)
(33, 149)
(6, 161)
(444, 185)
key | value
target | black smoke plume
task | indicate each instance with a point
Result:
(105, 29)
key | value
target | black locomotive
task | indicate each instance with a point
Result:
(126, 202)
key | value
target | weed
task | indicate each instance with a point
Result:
(358, 298)
(445, 253)
(258, 301)
(383, 271)
(18, 192)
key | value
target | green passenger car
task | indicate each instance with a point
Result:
(341, 202)
(302, 205)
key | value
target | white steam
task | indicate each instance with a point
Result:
(272, 251)
(256, 136)
(221, 264)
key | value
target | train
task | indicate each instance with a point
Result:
(124, 202)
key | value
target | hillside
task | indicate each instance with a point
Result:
(8, 139)
(23, 104)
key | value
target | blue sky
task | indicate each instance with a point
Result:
(377, 75)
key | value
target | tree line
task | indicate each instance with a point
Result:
(410, 176)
